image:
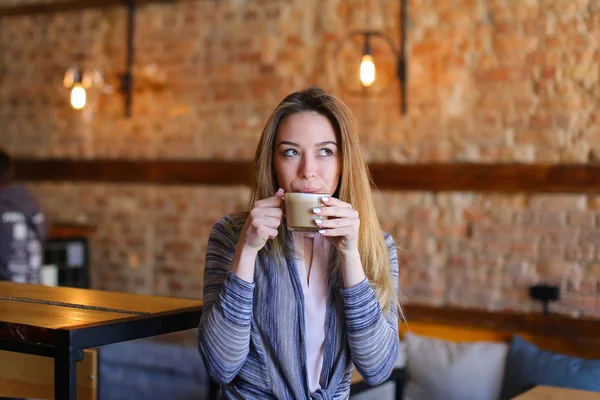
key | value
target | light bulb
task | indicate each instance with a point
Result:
(367, 70)
(78, 96)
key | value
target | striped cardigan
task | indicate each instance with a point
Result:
(252, 335)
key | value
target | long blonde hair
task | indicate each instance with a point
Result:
(354, 186)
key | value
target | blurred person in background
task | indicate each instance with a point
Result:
(23, 228)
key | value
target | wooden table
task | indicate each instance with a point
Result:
(61, 322)
(555, 393)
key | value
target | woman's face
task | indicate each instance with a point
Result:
(306, 156)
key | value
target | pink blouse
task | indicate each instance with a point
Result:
(312, 255)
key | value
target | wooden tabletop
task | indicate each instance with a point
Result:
(554, 393)
(37, 309)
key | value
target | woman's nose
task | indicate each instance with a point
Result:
(307, 168)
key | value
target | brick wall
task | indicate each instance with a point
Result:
(489, 81)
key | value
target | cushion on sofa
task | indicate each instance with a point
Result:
(446, 370)
(527, 366)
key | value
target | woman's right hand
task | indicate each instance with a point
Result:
(263, 222)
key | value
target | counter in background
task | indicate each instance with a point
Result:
(66, 256)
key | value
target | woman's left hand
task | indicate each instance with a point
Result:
(341, 226)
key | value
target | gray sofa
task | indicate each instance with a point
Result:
(153, 370)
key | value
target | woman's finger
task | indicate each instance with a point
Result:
(336, 211)
(262, 212)
(273, 201)
(346, 232)
(271, 222)
(273, 212)
(337, 222)
(266, 233)
(334, 202)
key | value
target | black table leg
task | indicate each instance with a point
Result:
(65, 368)
(214, 390)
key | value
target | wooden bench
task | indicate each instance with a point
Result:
(31, 376)
(573, 336)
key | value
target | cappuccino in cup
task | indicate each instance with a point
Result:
(299, 210)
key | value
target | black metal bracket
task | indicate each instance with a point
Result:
(402, 65)
(545, 294)
(127, 78)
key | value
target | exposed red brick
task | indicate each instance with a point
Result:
(504, 74)
(512, 88)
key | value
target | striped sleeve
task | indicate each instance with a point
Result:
(372, 337)
(224, 331)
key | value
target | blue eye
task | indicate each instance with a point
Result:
(290, 152)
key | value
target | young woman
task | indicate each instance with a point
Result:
(288, 315)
